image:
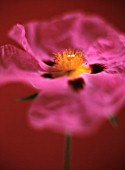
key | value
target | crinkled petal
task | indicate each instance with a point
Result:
(59, 108)
(10, 55)
(17, 65)
(18, 34)
(110, 52)
(74, 30)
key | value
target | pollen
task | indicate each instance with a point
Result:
(69, 60)
(71, 63)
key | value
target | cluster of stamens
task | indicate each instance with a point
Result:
(71, 63)
(69, 60)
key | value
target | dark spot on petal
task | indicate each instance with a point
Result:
(47, 75)
(49, 62)
(77, 84)
(97, 68)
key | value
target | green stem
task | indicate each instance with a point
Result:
(67, 151)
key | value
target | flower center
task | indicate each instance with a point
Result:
(69, 60)
(71, 63)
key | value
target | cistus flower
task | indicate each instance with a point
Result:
(76, 63)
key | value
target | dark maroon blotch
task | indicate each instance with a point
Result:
(47, 75)
(97, 68)
(49, 62)
(77, 84)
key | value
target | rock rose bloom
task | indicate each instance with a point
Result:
(76, 63)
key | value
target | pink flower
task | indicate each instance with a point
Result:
(83, 85)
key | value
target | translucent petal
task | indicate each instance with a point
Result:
(59, 108)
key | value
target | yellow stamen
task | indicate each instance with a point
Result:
(71, 63)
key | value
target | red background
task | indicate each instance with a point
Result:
(22, 148)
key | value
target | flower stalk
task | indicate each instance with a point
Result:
(67, 152)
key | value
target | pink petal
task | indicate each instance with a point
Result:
(10, 55)
(17, 65)
(19, 35)
(110, 52)
(60, 109)
(74, 30)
